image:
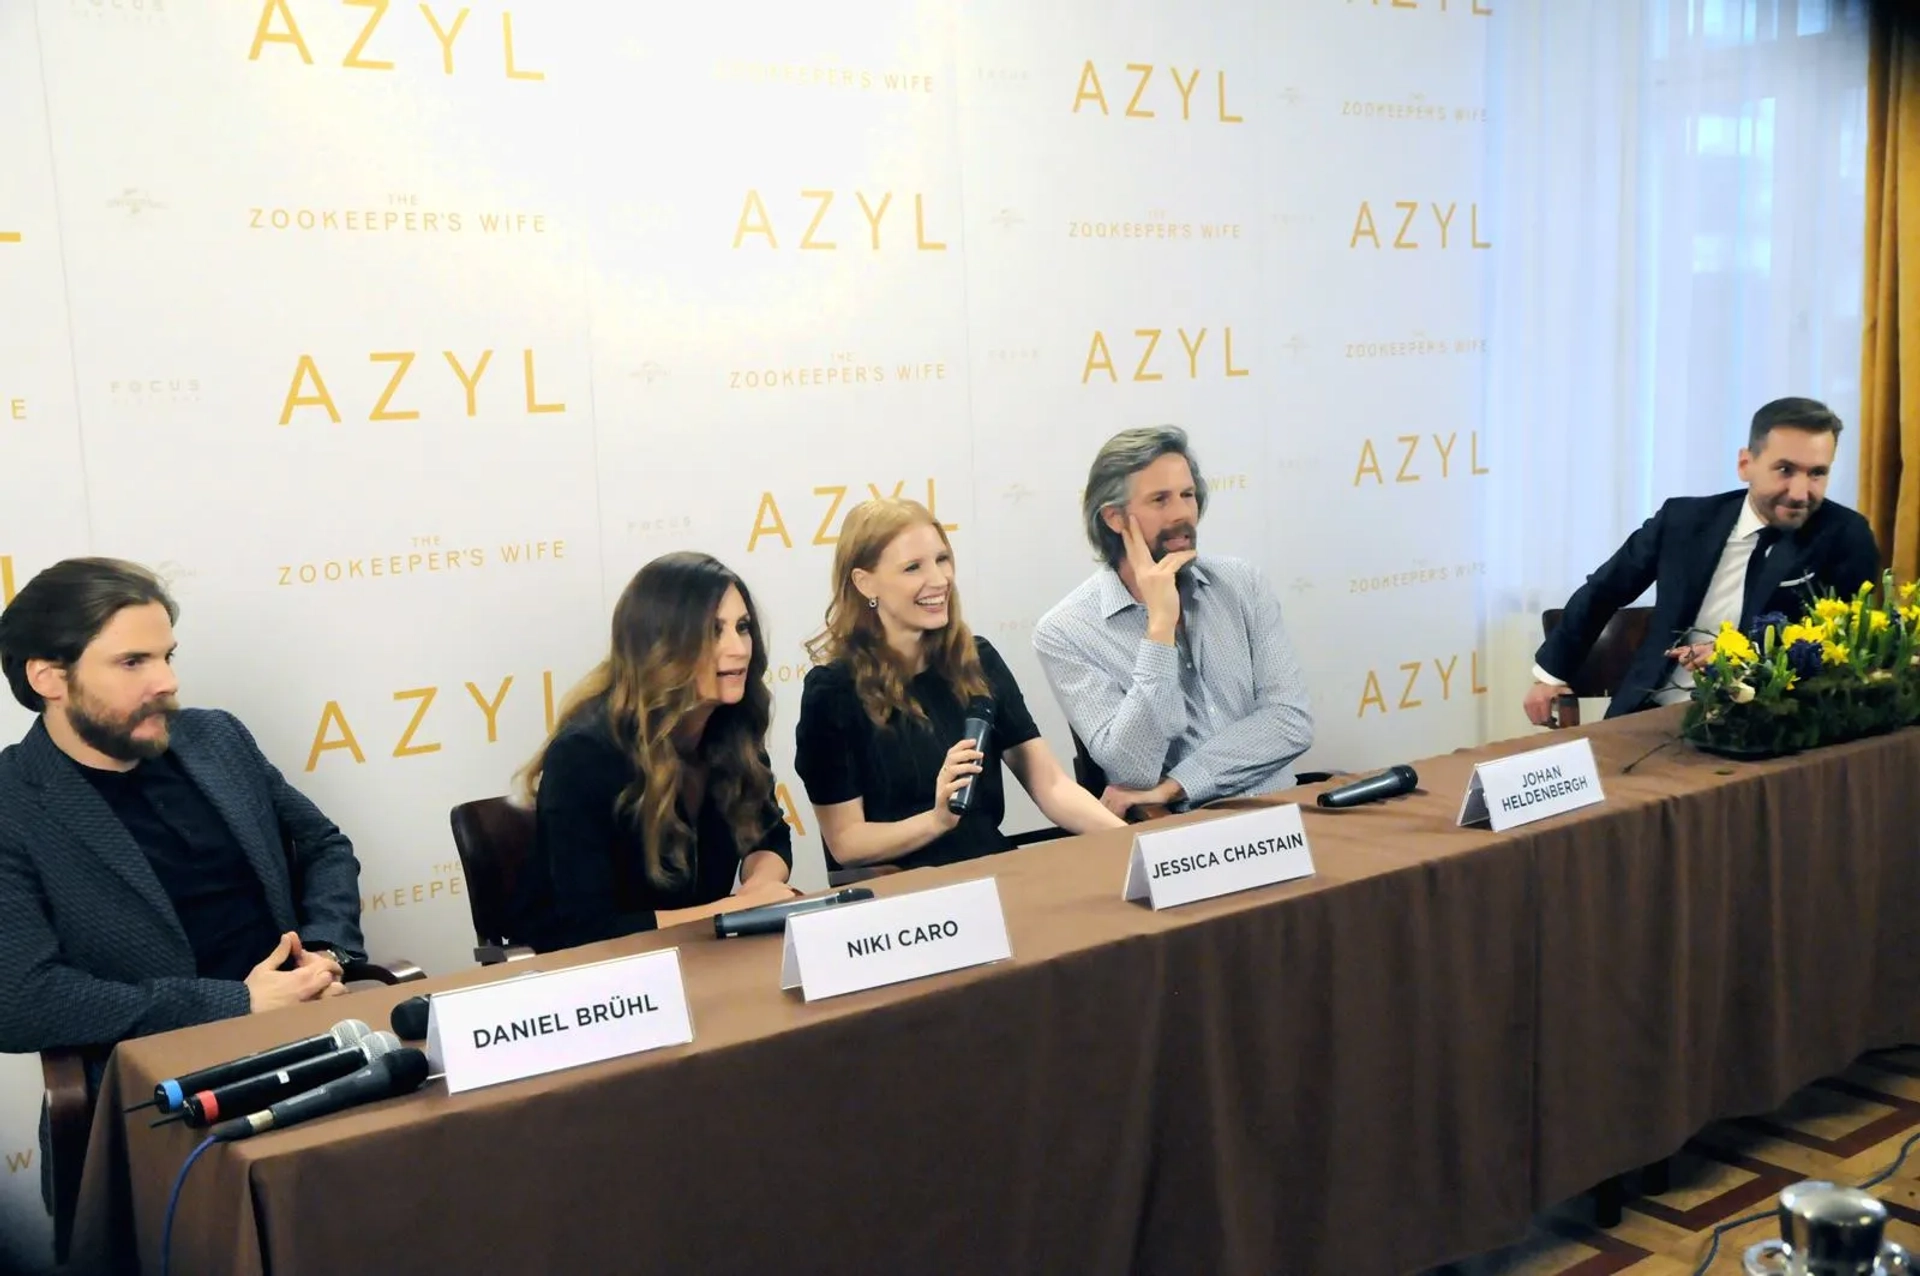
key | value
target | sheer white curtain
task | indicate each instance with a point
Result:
(1677, 187)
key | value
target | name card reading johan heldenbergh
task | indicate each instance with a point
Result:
(1532, 786)
(1218, 857)
(888, 941)
(558, 1019)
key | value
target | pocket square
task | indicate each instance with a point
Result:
(1799, 580)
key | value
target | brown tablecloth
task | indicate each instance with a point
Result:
(1388, 1065)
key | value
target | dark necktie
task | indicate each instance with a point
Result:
(1763, 541)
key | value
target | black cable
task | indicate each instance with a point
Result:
(1713, 1246)
(1664, 744)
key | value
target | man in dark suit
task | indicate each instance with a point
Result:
(145, 877)
(1765, 547)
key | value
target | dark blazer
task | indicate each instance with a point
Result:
(1677, 550)
(91, 952)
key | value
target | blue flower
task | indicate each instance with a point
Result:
(1757, 632)
(1803, 658)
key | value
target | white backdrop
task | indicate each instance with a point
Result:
(728, 275)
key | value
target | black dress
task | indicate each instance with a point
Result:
(841, 755)
(586, 880)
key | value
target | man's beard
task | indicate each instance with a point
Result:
(116, 739)
(1187, 530)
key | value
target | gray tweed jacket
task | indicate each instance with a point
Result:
(91, 952)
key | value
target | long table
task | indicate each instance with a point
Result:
(1391, 1064)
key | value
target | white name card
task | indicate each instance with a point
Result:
(1219, 857)
(1532, 786)
(549, 1020)
(888, 941)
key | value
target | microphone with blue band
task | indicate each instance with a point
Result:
(170, 1095)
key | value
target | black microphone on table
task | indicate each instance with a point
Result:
(977, 728)
(769, 919)
(409, 1018)
(170, 1094)
(1393, 782)
(400, 1072)
(208, 1106)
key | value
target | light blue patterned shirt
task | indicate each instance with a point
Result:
(1224, 711)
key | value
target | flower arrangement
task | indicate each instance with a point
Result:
(1848, 667)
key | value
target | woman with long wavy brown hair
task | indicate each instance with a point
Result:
(886, 701)
(654, 788)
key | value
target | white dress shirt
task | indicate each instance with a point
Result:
(1724, 600)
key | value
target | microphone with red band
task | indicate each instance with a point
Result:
(170, 1095)
(254, 1093)
(398, 1072)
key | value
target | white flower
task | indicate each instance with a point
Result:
(1740, 692)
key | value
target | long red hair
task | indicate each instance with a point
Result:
(853, 632)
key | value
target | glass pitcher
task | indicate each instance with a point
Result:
(1827, 1230)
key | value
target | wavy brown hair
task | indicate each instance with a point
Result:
(663, 633)
(853, 632)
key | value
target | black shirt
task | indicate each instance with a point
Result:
(587, 879)
(215, 892)
(841, 755)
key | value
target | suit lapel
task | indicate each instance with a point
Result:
(71, 803)
(1704, 542)
(269, 861)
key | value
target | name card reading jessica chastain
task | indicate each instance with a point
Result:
(557, 1019)
(1218, 857)
(889, 941)
(1532, 786)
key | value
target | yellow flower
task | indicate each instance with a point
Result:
(1876, 621)
(1911, 613)
(1833, 653)
(1832, 609)
(1806, 633)
(1910, 592)
(1734, 645)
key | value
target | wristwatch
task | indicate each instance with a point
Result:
(340, 959)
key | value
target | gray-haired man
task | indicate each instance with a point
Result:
(1173, 669)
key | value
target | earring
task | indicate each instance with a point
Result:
(873, 602)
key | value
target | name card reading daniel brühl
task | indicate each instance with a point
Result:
(1218, 857)
(889, 941)
(544, 1022)
(1509, 792)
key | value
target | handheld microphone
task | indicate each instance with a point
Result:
(1393, 782)
(771, 919)
(206, 1107)
(977, 728)
(171, 1094)
(409, 1018)
(399, 1072)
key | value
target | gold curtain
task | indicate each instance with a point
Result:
(1890, 349)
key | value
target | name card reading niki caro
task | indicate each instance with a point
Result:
(1532, 786)
(888, 941)
(544, 1022)
(1218, 857)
